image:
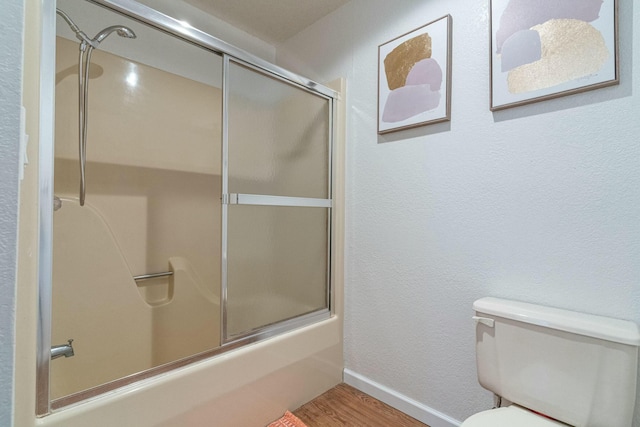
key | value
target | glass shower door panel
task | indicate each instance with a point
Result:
(278, 137)
(279, 202)
(153, 182)
(277, 265)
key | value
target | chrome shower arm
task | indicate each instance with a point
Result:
(80, 35)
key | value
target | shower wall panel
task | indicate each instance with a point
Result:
(140, 115)
(96, 303)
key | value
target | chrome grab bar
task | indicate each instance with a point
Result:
(152, 276)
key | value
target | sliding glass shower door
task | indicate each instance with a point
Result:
(278, 201)
(195, 218)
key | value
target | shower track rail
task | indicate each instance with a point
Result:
(162, 22)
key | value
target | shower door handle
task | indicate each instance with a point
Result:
(268, 200)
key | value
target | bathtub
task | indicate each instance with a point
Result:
(250, 386)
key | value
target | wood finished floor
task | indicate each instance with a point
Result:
(343, 405)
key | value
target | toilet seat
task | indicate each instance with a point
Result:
(510, 416)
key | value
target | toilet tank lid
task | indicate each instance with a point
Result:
(605, 328)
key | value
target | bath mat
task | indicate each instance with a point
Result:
(288, 420)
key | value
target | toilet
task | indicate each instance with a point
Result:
(554, 367)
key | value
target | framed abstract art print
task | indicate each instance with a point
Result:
(414, 78)
(543, 49)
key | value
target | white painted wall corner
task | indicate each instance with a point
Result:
(399, 401)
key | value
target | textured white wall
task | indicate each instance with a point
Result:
(539, 203)
(11, 27)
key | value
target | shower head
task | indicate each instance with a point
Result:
(121, 30)
(126, 32)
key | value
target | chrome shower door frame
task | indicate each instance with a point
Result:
(164, 23)
(267, 200)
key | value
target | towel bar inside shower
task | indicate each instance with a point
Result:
(152, 276)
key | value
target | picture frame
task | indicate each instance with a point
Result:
(414, 77)
(551, 48)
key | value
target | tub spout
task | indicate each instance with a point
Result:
(65, 350)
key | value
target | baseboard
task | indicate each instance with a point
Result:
(399, 401)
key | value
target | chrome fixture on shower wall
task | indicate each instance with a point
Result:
(84, 61)
(65, 350)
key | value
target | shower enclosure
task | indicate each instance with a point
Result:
(193, 198)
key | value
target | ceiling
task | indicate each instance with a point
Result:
(271, 20)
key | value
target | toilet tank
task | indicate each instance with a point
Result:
(578, 368)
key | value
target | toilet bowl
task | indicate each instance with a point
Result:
(510, 416)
